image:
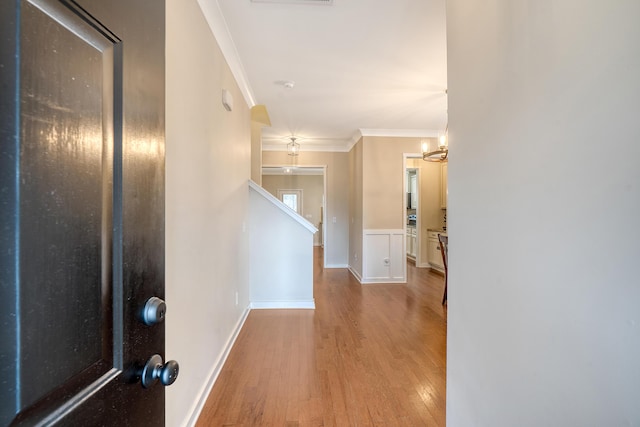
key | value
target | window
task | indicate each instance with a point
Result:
(292, 198)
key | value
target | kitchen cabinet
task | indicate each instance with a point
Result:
(434, 256)
(412, 244)
(413, 188)
(444, 189)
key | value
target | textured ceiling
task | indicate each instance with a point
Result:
(367, 67)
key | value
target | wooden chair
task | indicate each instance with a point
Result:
(444, 243)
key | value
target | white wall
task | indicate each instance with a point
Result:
(280, 255)
(544, 213)
(207, 169)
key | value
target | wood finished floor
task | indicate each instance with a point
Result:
(371, 355)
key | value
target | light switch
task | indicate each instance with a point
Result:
(334, 219)
(227, 100)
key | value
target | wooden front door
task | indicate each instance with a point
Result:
(81, 210)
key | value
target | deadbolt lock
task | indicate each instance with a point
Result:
(154, 311)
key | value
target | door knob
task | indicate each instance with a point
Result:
(155, 370)
(153, 311)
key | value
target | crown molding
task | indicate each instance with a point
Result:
(220, 29)
(334, 148)
(400, 133)
(275, 143)
(344, 146)
(354, 140)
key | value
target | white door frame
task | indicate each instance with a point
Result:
(419, 248)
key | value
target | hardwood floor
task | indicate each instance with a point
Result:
(371, 355)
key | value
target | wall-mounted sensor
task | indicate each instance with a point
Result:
(227, 100)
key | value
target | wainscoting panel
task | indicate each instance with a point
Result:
(383, 256)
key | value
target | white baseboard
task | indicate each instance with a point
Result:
(383, 280)
(263, 305)
(355, 274)
(196, 409)
(336, 266)
(374, 281)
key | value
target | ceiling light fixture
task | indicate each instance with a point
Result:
(439, 154)
(293, 148)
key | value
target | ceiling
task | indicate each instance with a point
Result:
(357, 67)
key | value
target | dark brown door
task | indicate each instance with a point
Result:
(81, 210)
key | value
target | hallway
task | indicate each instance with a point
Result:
(368, 355)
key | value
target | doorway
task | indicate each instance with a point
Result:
(413, 220)
(303, 187)
(420, 206)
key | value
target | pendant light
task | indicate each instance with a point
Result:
(293, 148)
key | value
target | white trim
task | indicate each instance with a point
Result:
(385, 281)
(296, 167)
(220, 30)
(337, 266)
(419, 225)
(371, 231)
(393, 257)
(355, 274)
(265, 305)
(294, 170)
(373, 281)
(354, 140)
(400, 133)
(342, 147)
(345, 145)
(435, 267)
(325, 210)
(284, 208)
(203, 395)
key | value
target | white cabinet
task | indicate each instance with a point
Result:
(413, 189)
(412, 244)
(444, 189)
(434, 256)
(435, 259)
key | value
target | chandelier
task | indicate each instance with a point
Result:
(440, 153)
